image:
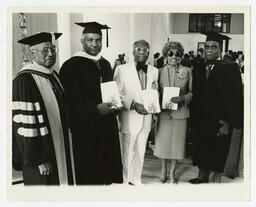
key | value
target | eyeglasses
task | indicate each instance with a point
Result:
(177, 54)
(141, 49)
(46, 50)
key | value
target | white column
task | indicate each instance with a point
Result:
(161, 30)
(169, 18)
(63, 23)
(131, 37)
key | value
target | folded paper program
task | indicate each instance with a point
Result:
(168, 93)
(151, 101)
(110, 94)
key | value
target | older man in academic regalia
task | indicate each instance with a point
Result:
(93, 123)
(41, 142)
(217, 109)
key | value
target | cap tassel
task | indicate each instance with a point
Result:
(53, 38)
(107, 37)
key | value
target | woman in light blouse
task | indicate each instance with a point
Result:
(172, 124)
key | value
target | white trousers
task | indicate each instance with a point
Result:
(133, 148)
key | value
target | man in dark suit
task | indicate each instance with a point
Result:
(216, 110)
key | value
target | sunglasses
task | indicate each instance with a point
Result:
(141, 49)
(177, 54)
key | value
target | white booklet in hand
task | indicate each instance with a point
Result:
(168, 93)
(151, 101)
(110, 94)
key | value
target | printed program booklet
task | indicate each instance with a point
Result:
(151, 101)
(110, 94)
(168, 93)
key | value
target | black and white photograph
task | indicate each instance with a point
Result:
(140, 101)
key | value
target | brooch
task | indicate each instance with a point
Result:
(182, 73)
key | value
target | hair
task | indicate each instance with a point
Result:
(227, 57)
(240, 52)
(201, 50)
(141, 42)
(186, 56)
(172, 45)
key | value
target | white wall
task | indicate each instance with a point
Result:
(36, 22)
(125, 29)
(75, 32)
(237, 42)
(160, 27)
(180, 23)
(119, 34)
(237, 24)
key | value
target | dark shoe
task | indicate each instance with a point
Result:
(197, 181)
(163, 179)
(164, 176)
(131, 183)
(231, 177)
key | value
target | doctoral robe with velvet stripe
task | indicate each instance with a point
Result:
(32, 141)
(95, 137)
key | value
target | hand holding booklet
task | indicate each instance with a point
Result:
(151, 101)
(110, 94)
(168, 93)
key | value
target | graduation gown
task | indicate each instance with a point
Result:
(95, 136)
(218, 97)
(36, 137)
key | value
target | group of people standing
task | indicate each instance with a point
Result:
(64, 134)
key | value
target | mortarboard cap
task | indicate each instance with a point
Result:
(40, 37)
(215, 36)
(94, 27)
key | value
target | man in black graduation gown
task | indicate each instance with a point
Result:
(40, 137)
(93, 123)
(216, 110)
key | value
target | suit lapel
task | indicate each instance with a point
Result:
(149, 77)
(134, 77)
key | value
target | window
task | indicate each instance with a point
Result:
(209, 23)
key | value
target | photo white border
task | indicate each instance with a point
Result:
(146, 193)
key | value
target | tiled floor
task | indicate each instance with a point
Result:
(152, 169)
(184, 170)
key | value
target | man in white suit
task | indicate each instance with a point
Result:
(134, 120)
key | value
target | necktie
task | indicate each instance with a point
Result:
(208, 70)
(97, 62)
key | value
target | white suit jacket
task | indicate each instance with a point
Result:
(128, 82)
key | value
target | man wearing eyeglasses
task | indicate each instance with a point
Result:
(41, 141)
(134, 120)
